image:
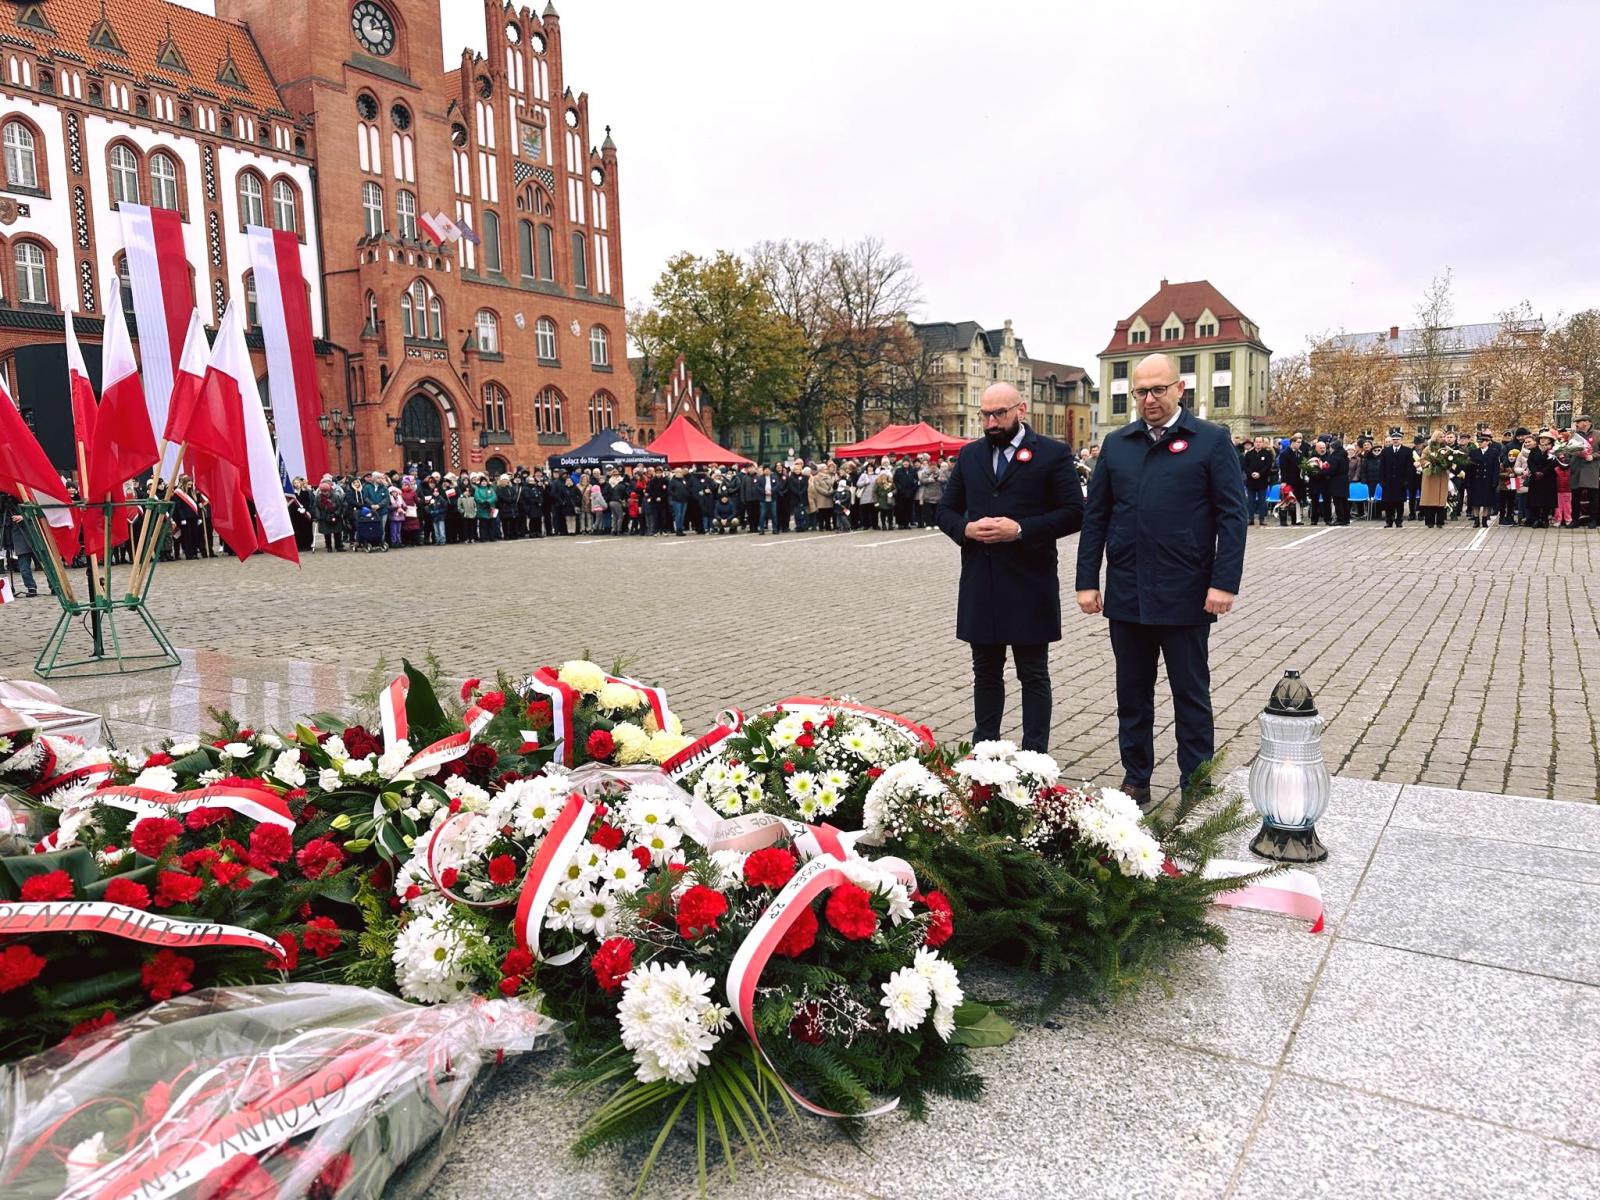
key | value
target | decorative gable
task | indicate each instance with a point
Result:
(228, 72)
(103, 37)
(169, 56)
(31, 16)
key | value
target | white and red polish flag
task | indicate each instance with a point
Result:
(85, 424)
(25, 471)
(6, 596)
(124, 442)
(230, 392)
(202, 418)
(163, 298)
(285, 312)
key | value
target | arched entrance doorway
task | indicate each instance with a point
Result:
(496, 467)
(421, 435)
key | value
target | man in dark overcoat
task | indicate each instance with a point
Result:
(1396, 465)
(1012, 495)
(1167, 511)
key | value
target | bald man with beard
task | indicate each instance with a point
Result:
(1167, 511)
(1011, 496)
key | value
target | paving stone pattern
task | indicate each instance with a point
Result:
(1437, 657)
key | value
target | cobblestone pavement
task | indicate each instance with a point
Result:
(1447, 658)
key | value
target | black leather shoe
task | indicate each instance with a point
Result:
(1140, 793)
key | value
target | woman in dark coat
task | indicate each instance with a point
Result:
(1483, 479)
(1542, 482)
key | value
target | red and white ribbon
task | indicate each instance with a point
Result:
(120, 920)
(1288, 893)
(392, 710)
(657, 697)
(446, 830)
(822, 705)
(91, 773)
(448, 748)
(545, 872)
(744, 974)
(707, 746)
(258, 804)
(563, 706)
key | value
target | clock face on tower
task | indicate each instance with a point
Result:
(373, 28)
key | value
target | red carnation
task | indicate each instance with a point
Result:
(788, 767)
(158, 759)
(271, 844)
(469, 687)
(92, 1025)
(800, 936)
(607, 837)
(698, 911)
(772, 867)
(448, 877)
(516, 962)
(319, 857)
(196, 861)
(290, 959)
(510, 985)
(805, 741)
(849, 910)
(152, 835)
(942, 920)
(540, 713)
(806, 1026)
(205, 817)
(52, 885)
(122, 890)
(413, 892)
(874, 772)
(322, 937)
(612, 963)
(229, 874)
(492, 702)
(641, 855)
(166, 975)
(502, 869)
(601, 744)
(246, 734)
(174, 887)
(18, 965)
(360, 742)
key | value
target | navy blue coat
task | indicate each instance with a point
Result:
(1011, 591)
(1169, 518)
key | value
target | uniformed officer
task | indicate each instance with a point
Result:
(1168, 512)
(1011, 496)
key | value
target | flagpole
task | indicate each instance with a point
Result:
(149, 549)
(94, 559)
(146, 525)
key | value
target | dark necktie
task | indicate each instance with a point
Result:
(1002, 463)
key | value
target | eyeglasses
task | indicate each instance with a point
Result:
(995, 414)
(1158, 391)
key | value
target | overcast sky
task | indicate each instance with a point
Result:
(1051, 160)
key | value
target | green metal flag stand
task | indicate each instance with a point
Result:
(97, 608)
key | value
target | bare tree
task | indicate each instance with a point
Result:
(1514, 376)
(873, 290)
(1435, 349)
(916, 375)
(1337, 386)
(800, 281)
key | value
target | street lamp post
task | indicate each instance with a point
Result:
(332, 425)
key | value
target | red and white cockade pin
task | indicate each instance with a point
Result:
(1024, 455)
(1178, 447)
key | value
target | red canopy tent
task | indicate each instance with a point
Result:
(684, 445)
(920, 438)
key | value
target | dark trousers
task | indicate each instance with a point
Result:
(989, 693)
(1394, 512)
(1586, 506)
(1184, 649)
(1341, 506)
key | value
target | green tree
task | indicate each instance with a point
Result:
(718, 312)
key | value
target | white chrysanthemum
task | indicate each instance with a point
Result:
(941, 975)
(271, 740)
(1144, 862)
(1118, 803)
(906, 1000)
(585, 865)
(621, 873)
(650, 805)
(183, 749)
(661, 841)
(561, 913)
(738, 775)
(582, 675)
(714, 777)
(393, 758)
(989, 772)
(905, 784)
(335, 749)
(1040, 768)
(788, 729)
(537, 802)
(944, 1021)
(473, 798)
(994, 748)
(160, 779)
(862, 742)
(207, 778)
(596, 914)
(899, 904)
(828, 800)
(286, 768)
(801, 783)
(328, 779)
(836, 779)
(808, 807)
(619, 697)
(429, 959)
(238, 750)
(729, 865)
(1017, 793)
(1120, 833)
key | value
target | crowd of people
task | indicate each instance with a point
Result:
(1540, 478)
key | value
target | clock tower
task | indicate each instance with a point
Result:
(497, 349)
